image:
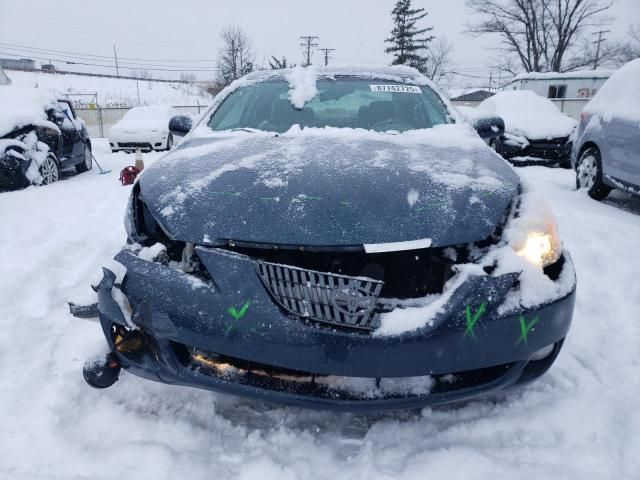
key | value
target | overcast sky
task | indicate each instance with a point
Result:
(189, 30)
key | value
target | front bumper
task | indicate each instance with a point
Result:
(546, 151)
(13, 172)
(270, 351)
(144, 141)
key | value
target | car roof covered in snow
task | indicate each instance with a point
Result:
(620, 95)
(395, 73)
(25, 106)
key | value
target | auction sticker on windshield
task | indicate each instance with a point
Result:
(396, 88)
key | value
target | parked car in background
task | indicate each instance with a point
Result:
(286, 249)
(39, 136)
(534, 128)
(606, 150)
(146, 128)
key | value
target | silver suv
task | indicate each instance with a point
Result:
(606, 150)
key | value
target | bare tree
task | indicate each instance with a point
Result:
(540, 34)
(236, 56)
(187, 77)
(141, 74)
(438, 62)
(630, 49)
(276, 64)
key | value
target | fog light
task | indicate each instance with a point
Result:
(542, 353)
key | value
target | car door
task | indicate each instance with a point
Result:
(73, 148)
(624, 149)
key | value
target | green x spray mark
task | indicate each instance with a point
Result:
(473, 319)
(237, 315)
(525, 328)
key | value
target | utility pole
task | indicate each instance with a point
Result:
(490, 80)
(326, 54)
(115, 55)
(598, 42)
(308, 45)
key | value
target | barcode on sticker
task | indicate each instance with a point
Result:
(396, 88)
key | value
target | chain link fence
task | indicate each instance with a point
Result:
(99, 120)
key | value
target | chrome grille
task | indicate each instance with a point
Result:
(324, 297)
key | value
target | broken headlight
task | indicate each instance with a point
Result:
(139, 223)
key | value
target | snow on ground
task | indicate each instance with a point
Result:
(113, 91)
(580, 421)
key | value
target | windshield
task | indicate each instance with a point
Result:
(341, 102)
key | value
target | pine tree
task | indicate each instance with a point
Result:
(407, 41)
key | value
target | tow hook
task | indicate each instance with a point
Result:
(102, 374)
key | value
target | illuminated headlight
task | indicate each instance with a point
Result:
(540, 248)
(532, 232)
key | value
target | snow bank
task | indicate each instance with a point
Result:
(114, 92)
(620, 95)
(529, 115)
(23, 106)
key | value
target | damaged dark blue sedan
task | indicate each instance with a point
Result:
(340, 239)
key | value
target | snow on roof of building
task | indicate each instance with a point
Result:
(557, 75)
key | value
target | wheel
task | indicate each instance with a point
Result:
(50, 170)
(87, 163)
(169, 142)
(589, 174)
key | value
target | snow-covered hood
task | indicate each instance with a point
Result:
(20, 106)
(134, 126)
(331, 187)
(539, 126)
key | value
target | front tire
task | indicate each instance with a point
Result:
(87, 163)
(50, 170)
(589, 174)
(169, 142)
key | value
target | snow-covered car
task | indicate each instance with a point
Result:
(606, 151)
(39, 136)
(146, 128)
(534, 127)
(335, 238)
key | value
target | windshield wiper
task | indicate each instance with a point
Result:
(245, 129)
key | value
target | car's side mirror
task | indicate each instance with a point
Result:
(180, 125)
(489, 127)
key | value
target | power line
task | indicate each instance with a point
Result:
(308, 45)
(12, 46)
(110, 64)
(326, 54)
